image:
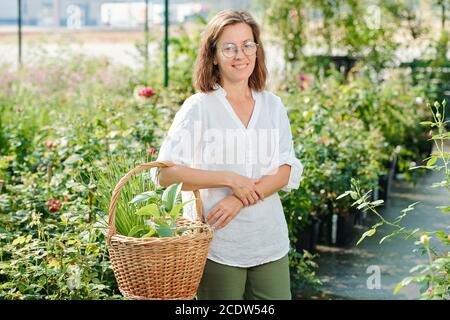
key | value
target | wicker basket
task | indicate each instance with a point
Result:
(158, 268)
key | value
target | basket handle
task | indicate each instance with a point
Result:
(116, 193)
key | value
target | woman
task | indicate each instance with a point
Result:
(232, 141)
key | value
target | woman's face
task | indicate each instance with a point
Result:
(239, 66)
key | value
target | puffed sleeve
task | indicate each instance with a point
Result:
(181, 145)
(287, 152)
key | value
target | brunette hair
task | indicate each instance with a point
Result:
(206, 75)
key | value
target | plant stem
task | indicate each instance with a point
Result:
(430, 261)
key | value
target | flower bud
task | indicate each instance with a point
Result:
(146, 92)
(53, 205)
(424, 239)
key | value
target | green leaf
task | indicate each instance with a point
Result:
(412, 233)
(176, 210)
(134, 232)
(346, 193)
(149, 210)
(445, 155)
(406, 210)
(144, 196)
(387, 237)
(377, 203)
(431, 161)
(426, 123)
(359, 201)
(403, 283)
(162, 222)
(418, 167)
(18, 240)
(170, 195)
(398, 287)
(165, 231)
(149, 234)
(73, 159)
(362, 205)
(354, 195)
(368, 233)
(444, 209)
(54, 264)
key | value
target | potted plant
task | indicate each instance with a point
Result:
(155, 253)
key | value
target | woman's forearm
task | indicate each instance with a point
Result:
(194, 179)
(269, 184)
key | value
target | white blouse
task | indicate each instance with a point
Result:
(207, 134)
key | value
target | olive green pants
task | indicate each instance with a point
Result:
(269, 281)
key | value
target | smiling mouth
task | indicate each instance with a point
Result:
(240, 66)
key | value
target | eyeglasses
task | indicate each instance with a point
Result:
(230, 50)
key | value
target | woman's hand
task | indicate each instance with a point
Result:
(245, 189)
(223, 212)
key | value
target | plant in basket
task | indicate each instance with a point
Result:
(160, 215)
(155, 253)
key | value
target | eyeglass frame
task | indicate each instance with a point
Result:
(236, 49)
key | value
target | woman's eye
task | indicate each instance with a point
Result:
(249, 45)
(229, 48)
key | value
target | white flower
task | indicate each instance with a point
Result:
(424, 239)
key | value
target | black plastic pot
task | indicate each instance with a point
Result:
(324, 236)
(345, 230)
(308, 238)
(383, 186)
(358, 216)
(303, 240)
(385, 180)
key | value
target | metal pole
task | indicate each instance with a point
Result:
(19, 4)
(146, 39)
(166, 44)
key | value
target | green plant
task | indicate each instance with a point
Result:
(434, 277)
(143, 209)
(163, 213)
(288, 19)
(304, 271)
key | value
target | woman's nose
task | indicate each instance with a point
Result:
(239, 53)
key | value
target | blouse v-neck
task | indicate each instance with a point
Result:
(222, 95)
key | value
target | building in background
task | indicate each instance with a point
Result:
(108, 13)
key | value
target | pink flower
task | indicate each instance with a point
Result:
(304, 81)
(53, 205)
(50, 144)
(152, 151)
(302, 77)
(146, 92)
